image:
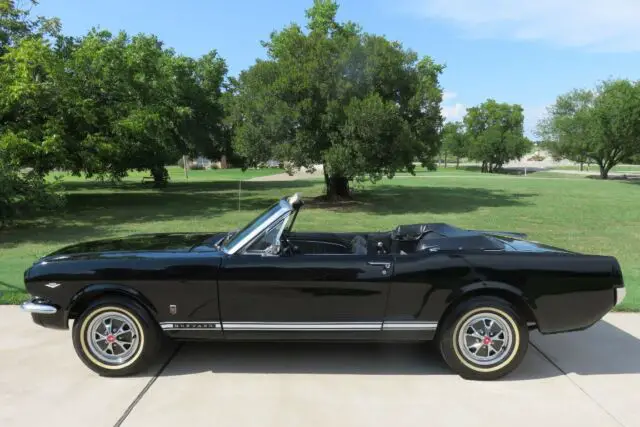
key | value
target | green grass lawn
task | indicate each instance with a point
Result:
(592, 216)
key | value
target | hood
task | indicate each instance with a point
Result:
(174, 242)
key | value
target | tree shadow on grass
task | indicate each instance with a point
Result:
(395, 199)
(180, 187)
(91, 214)
(506, 170)
(92, 209)
(12, 288)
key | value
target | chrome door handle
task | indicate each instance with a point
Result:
(380, 264)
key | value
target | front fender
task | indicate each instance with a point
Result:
(90, 293)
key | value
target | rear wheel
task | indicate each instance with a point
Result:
(116, 337)
(483, 338)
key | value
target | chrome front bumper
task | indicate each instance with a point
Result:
(38, 307)
(620, 294)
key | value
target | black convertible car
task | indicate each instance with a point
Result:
(477, 293)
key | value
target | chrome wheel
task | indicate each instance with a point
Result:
(113, 337)
(485, 339)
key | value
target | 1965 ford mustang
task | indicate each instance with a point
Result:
(477, 293)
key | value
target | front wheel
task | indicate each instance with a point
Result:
(116, 337)
(483, 338)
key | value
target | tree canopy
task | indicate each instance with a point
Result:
(357, 103)
(104, 104)
(600, 125)
(496, 134)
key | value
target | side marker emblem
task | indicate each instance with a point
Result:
(53, 285)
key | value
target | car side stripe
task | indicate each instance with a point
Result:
(409, 326)
(302, 326)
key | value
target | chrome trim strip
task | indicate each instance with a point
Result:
(409, 326)
(32, 307)
(384, 264)
(302, 326)
(181, 326)
(620, 294)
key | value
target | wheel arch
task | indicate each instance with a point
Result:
(505, 291)
(91, 293)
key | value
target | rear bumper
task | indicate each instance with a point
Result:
(45, 313)
(620, 293)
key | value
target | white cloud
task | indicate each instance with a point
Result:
(598, 25)
(448, 96)
(455, 112)
(452, 112)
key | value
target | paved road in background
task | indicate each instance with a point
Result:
(589, 378)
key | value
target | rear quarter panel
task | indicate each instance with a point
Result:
(565, 291)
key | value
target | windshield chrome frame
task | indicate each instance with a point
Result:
(284, 209)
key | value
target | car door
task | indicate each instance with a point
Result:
(303, 296)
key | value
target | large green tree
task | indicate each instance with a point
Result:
(600, 125)
(27, 96)
(455, 141)
(496, 134)
(359, 104)
(568, 129)
(104, 104)
(140, 105)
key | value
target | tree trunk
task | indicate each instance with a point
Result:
(581, 166)
(445, 161)
(457, 162)
(337, 187)
(490, 167)
(160, 175)
(483, 169)
(604, 172)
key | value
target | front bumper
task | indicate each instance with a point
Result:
(38, 307)
(45, 313)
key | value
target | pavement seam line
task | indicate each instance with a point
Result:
(576, 384)
(146, 388)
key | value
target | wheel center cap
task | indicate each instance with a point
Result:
(110, 338)
(486, 341)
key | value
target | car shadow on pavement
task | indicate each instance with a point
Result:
(601, 350)
(307, 358)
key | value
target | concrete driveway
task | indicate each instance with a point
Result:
(589, 378)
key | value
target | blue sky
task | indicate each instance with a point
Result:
(509, 50)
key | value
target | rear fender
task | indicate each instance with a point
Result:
(510, 293)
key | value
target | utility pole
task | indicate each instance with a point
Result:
(184, 164)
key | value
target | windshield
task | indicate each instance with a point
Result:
(232, 238)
